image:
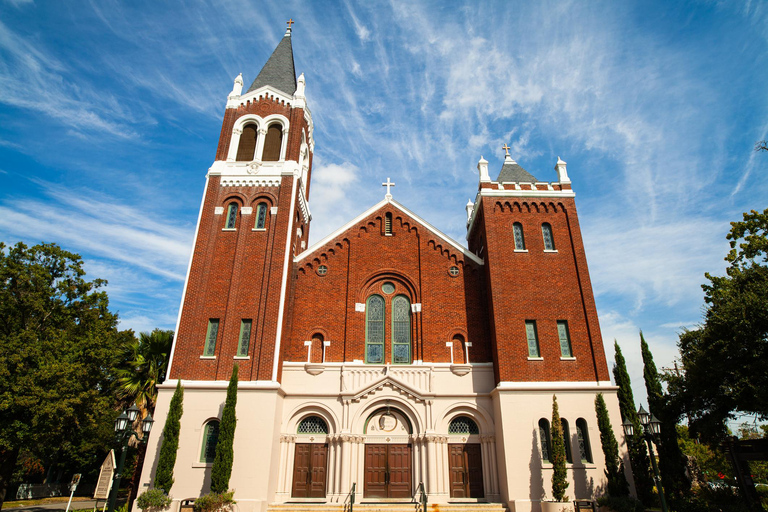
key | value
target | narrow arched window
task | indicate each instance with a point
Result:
(231, 216)
(261, 216)
(585, 451)
(374, 330)
(544, 439)
(517, 229)
(388, 224)
(246, 148)
(273, 143)
(463, 425)
(459, 350)
(312, 425)
(567, 440)
(549, 241)
(401, 330)
(210, 438)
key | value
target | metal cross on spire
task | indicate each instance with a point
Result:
(290, 22)
(506, 148)
(388, 184)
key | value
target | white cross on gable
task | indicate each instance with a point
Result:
(388, 184)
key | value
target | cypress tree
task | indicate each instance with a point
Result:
(614, 470)
(222, 462)
(672, 465)
(638, 453)
(167, 460)
(559, 481)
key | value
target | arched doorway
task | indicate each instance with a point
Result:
(388, 455)
(465, 459)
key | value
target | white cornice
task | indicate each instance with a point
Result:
(557, 386)
(219, 384)
(460, 248)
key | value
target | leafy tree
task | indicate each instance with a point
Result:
(672, 464)
(725, 361)
(60, 347)
(614, 467)
(708, 462)
(167, 459)
(638, 453)
(559, 481)
(222, 461)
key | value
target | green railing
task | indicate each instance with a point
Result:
(423, 498)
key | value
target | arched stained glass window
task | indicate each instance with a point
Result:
(463, 425)
(313, 425)
(261, 216)
(567, 440)
(247, 145)
(585, 452)
(517, 230)
(231, 216)
(210, 438)
(273, 144)
(401, 330)
(549, 241)
(374, 330)
(544, 439)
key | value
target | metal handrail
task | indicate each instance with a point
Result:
(352, 496)
(423, 500)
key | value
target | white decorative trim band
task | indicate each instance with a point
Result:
(250, 182)
(219, 384)
(552, 386)
(246, 210)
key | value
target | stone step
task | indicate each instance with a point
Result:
(388, 507)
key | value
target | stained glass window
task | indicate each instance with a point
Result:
(565, 339)
(583, 435)
(388, 288)
(463, 425)
(261, 216)
(231, 216)
(374, 330)
(313, 425)
(567, 440)
(533, 339)
(210, 338)
(517, 229)
(544, 439)
(401, 330)
(210, 438)
(245, 338)
(549, 241)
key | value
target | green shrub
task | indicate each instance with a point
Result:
(621, 504)
(122, 508)
(153, 500)
(215, 502)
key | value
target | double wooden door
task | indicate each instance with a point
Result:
(466, 471)
(388, 471)
(309, 470)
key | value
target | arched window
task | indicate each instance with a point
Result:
(463, 425)
(210, 438)
(544, 439)
(231, 216)
(567, 440)
(374, 330)
(312, 425)
(388, 223)
(517, 229)
(273, 143)
(261, 216)
(549, 241)
(316, 349)
(401, 330)
(246, 148)
(459, 350)
(585, 451)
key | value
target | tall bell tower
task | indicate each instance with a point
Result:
(254, 219)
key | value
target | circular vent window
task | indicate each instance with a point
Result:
(454, 271)
(388, 288)
(322, 270)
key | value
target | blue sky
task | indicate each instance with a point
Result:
(110, 113)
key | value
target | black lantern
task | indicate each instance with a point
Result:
(654, 425)
(132, 412)
(629, 428)
(643, 415)
(121, 423)
(146, 425)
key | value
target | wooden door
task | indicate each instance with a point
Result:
(309, 470)
(387, 471)
(466, 474)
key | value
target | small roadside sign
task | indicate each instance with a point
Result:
(104, 484)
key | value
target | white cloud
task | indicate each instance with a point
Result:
(329, 197)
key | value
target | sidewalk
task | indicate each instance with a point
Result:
(48, 507)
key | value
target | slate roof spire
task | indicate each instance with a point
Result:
(512, 172)
(279, 71)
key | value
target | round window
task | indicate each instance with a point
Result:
(388, 288)
(453, 271)
(322, 270)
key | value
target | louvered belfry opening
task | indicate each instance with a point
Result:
(247, 146)
(273, 143)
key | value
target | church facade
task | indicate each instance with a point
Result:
(386, 356)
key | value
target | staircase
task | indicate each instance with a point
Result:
(387, 507)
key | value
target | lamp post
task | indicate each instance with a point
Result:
(124, 433)
(651, 428)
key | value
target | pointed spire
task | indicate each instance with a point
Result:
(279, 71)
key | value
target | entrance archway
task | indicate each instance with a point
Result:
(388, 465)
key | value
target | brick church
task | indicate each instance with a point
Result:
(387, 355)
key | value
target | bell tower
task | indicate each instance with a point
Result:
(253, 220)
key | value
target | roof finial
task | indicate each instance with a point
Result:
(506, 148)
(388, 184)
(289, 22)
